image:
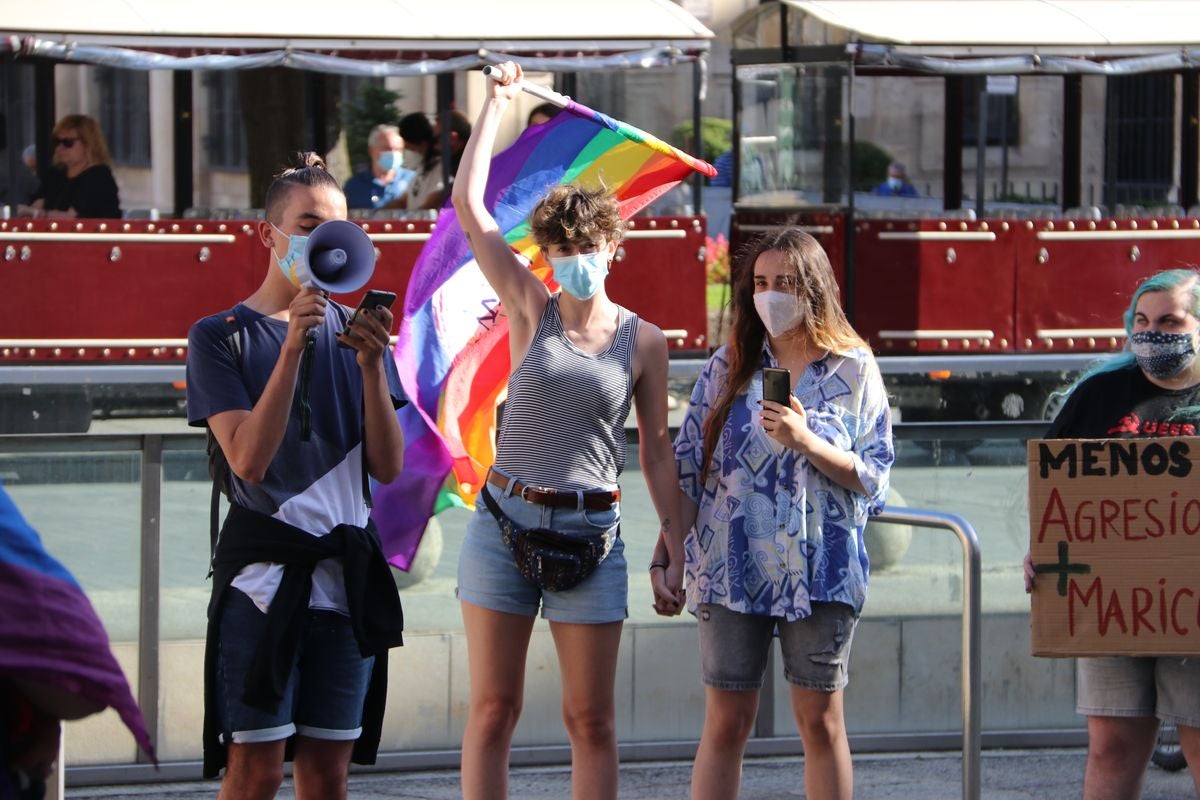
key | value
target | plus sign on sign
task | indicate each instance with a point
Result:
(1114, 533)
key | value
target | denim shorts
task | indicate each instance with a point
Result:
(1167, 687)
(324, 695)
(816, 650)
(488, 577)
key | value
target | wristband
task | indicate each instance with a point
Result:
(654, 564)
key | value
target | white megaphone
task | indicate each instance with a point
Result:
(339, 257)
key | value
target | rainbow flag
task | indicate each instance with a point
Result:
(453, 347)
(49, 632)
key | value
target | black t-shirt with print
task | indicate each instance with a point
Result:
(1124, 404)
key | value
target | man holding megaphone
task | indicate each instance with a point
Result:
(303, 608)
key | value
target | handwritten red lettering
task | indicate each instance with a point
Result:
(1095, 591)
(1143, 601)
(1182, 631)
(1110, 510)
(1055, 514)
(1112, 612)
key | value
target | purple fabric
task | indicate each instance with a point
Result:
(49, 632)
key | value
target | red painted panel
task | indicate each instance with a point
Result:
(948, 282)
(662, 278)
(1076, 274)
(118, 286)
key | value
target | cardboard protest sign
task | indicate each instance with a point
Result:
(1114, 530)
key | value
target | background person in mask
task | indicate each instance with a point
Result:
(897, 183)
(577, 361)
(783, 492)
(427, 189)
(1151, 389)
(303, 607)
(385, 179)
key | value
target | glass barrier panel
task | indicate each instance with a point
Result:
(85, 505)
(183, 602)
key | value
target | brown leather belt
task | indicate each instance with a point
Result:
(558, 498)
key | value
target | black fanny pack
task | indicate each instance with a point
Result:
(549, 559)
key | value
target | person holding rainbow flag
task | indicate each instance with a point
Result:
(577, 362)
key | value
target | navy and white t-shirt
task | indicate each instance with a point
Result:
(314, 485)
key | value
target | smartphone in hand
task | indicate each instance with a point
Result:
(777, 385)
(374, 298)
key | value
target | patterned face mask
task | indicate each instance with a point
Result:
(1163, 355)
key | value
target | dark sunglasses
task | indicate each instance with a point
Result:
(65, 141)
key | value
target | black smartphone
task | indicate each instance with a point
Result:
(374, 298)
(777, 385)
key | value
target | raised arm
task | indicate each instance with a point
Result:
(523, 295)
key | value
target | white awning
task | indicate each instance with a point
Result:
(407, 25)
(1120, 24)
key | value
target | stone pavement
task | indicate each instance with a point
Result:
(1006, 775)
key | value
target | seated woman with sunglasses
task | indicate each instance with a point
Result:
(81, 183)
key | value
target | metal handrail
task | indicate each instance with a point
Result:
(972, 654)
(152, 446)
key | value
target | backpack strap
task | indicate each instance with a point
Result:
(218, 465)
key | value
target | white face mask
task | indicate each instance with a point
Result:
(780, 312)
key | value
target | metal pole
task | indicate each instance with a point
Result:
(697, 135)
(849, 248)
(1004, 146)
(952, 143)
(183, 131)
(981, 151)
(445, 103)
(14, 141)
(148, 607)
(1072, 144)
(1189, 139)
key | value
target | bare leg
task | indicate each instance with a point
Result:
(1119, 749)
(828, 770)
(496, 647)
(728, 718)
(321, 768)
(253, 771)
(1189, 740)
(587, 658)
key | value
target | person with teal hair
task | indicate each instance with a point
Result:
(1151, 389)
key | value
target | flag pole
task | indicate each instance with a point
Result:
(549, 95)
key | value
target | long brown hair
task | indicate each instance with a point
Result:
(825, 324)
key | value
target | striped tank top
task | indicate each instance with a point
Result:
(564, 419)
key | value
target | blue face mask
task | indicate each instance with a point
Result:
(1163, 355)
(895, 183)
(388, 160)
(582, 274)
(293, 264)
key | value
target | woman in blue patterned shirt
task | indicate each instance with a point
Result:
(778, 497)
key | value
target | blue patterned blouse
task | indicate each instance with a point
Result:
(773, 533)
